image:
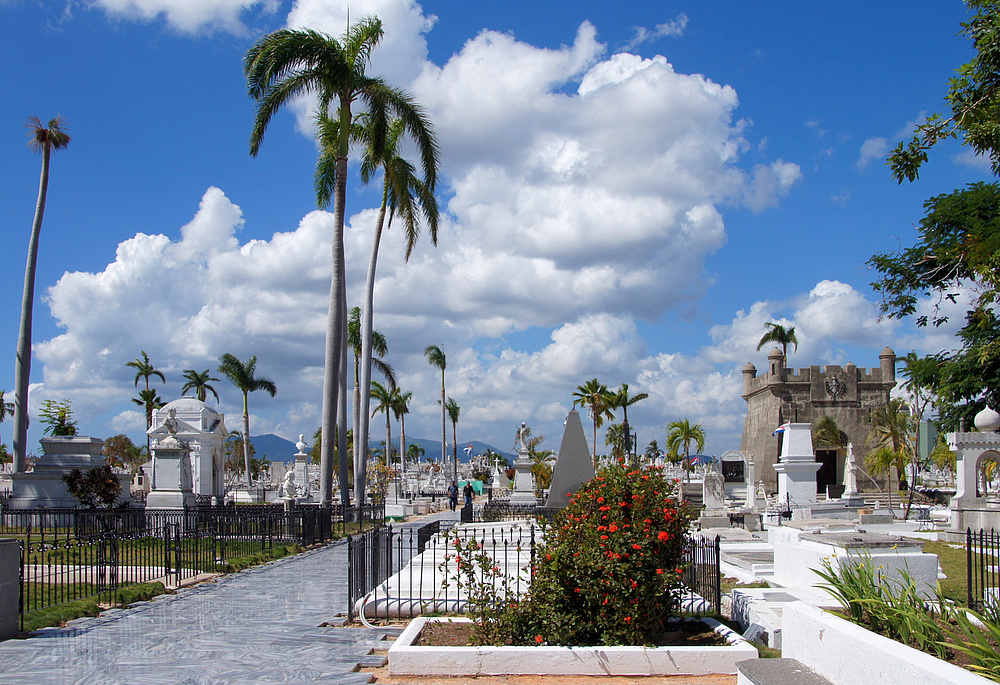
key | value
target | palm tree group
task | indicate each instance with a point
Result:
(595, 396)
(287, 64)
(42, 138)
(243, 376)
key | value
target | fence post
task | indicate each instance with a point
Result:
(969, 574)
(717, 582)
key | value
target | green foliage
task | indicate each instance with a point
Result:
(780, 335)
(58, 418)
(120, 452)
(98, 487)
(607, 573)
(377, 478)
(972, 96)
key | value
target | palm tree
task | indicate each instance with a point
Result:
(595, 396)
(403, 195)
(622, 400)
(826, 433)
(780, 335)
(200, 383)
(6, 408)
(144, 369)
(680, 434)
(400, 408)
(384, 396)
(889, 436)
(653, 451)
(381, 348)
(150, 400)
(435, 357)
(43, 139)
(615, 438)
(541, 469)
(414, 452)
(287, 64)
(451, 406)
(242, 375)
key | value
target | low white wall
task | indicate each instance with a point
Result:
(405, 659)
(847, 654)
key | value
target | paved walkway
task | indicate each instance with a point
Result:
(258, 626)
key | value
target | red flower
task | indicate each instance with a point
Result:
(604, 537)
(612, 528)
(637, 546)
(538, 639)
(600, 499)
(663, 536)
(659, 571)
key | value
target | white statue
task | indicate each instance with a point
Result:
(288, 485)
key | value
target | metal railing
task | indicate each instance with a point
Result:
(377, 559)
(982, 564)
(702, 572)
(72, 554)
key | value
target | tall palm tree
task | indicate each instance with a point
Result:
(597, 398)
(680, 434)
(400, 408)
(403, 195)
(42, 139)
(451, 406)
(200, 383)
(653, 451)
(435, 357)
(889, 437)
(287, 64)
(780, 335)
(615, 438)
(622, 400)
(149, 399)
(243, 376)
(6, 408)
(381, 348)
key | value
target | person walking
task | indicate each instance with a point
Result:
(468, 491)
(453, 495)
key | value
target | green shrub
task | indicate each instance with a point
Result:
(608, 572)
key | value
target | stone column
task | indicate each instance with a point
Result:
(172, 484)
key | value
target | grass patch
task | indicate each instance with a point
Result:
(61, 614)
(240, 563)
(729, 584)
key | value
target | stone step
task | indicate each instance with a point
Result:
(777, 672)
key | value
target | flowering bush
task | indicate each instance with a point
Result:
(609, 570)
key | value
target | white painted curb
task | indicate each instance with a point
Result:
(405, 659)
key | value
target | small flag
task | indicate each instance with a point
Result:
(468, 450)
(780, 429)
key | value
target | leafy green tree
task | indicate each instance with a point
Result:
(614, 437)
(42, 138)
(243, 376)
(414, 452)
(973, 96)
(542, 463)
(959, 238)
(680, 435)
(58, 418)
(436, 358)
(120, 452)
(653, 451)
(285, 65)
(6, 408)
(598, 399)
(200, 383)
(94, 488)
(779, 335)
(453, 412)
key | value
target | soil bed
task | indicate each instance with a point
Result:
(454, 634)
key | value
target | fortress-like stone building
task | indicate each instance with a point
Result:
(782, 395)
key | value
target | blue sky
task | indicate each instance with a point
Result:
(631, 193)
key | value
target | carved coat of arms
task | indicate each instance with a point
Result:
(835, 387)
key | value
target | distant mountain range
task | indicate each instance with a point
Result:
(277, 448)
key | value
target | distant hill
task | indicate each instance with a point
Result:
(277, 448)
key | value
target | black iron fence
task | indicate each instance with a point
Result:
(982, 563)
(71, 554)
(406, 572)
(702, 572)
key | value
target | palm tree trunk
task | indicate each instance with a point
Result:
(454, 443)
(594, 416)
(367, 326)
(336, 321)
(402, 442)
(342, 406)
(246, 439)
(22, 370)
(444, 435)
(388, 440)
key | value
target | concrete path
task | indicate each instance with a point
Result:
(258, 626)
